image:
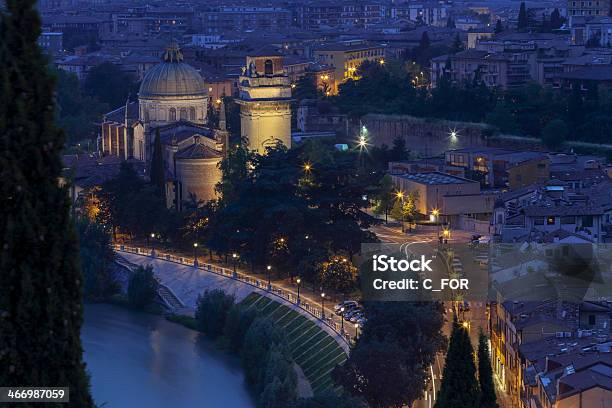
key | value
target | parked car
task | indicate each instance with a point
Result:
(351, 313)
(347, 304)
(356, 317)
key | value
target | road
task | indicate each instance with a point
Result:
(424, 240)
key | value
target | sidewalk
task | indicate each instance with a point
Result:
(186, 277)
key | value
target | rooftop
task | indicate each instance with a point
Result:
(435, 178)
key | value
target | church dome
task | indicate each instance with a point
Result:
(172, 77)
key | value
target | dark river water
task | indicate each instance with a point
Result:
(140, 360)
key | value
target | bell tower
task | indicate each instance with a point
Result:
(265, 97)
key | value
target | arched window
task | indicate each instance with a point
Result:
(269, 67)
(172, 115)
(183, 113)
(192, 114)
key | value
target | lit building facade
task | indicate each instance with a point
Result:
(264, 99)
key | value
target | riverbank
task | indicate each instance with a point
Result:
(142, 359)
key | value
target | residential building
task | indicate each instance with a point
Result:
(319, 14)
(587, 8)
(51, 43)
(500, 168)
(221, 19)
(346, 57)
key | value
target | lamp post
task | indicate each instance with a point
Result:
(269, 268)
(446, 235)
(356, 331)
(400, 196)
(342, 320)
(298, 280)
(152, 244)
(235, 258)
(195, 254)
(322, 305)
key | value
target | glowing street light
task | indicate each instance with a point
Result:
(322, 305)
(356, 331)
(400, 196)
(235, 258)
(342, 320)
(381, 62)
(307, 167)
(298, 280)
(195, 254)
(453, 135)
(269, 268)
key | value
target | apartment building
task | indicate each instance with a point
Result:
(320, 14)
(346, 57)
(587, 8)
(244, 18)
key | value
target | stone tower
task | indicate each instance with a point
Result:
(265, 97)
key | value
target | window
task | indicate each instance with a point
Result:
(550, 220)
(591, 320)
(269, 67)
(183, 113)
(172, 115)
(538, 221)
(192, 114)
(587, 221)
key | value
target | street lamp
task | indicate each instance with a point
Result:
(342, 320)
(356, 331)
(322, 305)
(269, 268)
(446, 234)
(298, 280)
(235, 258)
(195, 254)
(152, 244)
(400, 196)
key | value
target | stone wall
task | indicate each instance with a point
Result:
(425, 137)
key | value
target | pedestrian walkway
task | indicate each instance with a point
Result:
(188, 282)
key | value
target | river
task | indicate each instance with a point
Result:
(141, 360)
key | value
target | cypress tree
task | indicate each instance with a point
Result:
(499, 27)
(523, 21)
(459, 385)
(41, 309)
(488, 399)
(157, 167)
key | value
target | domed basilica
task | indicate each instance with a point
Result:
(173, 101)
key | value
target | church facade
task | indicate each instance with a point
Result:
(172, 101)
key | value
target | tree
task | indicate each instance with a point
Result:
(41, 287)
(237, 323)
(97, 259)
(338, 275)
(158, 177)
(211, 312)
(499, 28)
(459, 385)
(523, 19)
(388, 368)
(384, 198)
(424, 41)
(501, 117)
(142, 287)
(488, 399)
(305, 88)
(398, 151)
(109, 84)
(457, 44)
(556, 21)
(554, 133)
